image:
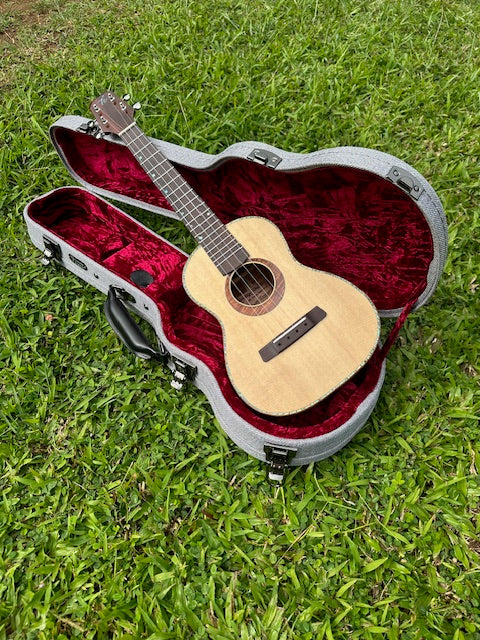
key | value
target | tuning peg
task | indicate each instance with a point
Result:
(126, 97)
(137, 106)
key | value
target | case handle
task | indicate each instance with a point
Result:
(128, 330)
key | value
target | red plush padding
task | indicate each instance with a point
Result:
(344, 221)
(341, 220)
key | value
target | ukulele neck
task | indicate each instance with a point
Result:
(223, 249)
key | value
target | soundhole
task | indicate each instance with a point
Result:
(252, 284)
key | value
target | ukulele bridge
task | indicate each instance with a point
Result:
(292, 334)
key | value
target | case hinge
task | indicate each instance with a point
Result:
(51, 252)
(124, 295)
(267, 158)
(91, 128)
(278, 460)
(406, 182)
(182, 373)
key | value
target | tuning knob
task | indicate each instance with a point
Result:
(126, 97)
(137, 106)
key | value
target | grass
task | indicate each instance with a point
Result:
(125, 513)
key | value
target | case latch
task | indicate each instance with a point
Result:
(278, 459)
(406, 182)
(267, 158)
(182, 373)
(51, 252)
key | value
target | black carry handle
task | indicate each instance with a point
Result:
(128, 330)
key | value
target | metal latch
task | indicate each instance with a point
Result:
(182, 373)
(278, 459)
(51, 252)
(267, 158)
(406, 182)
(91, 128)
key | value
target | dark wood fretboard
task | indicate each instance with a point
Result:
(223, 249)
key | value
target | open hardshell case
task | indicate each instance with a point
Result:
(361, 214)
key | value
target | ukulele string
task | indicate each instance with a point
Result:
(261, 286)
(249, 287)
(275, 324)
(243, 293)
(138, 151)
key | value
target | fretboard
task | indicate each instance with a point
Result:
(223, 249)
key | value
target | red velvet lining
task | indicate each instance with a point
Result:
(109, 237)
(342, 220)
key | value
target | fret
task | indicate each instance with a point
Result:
(180, 186)
(166, 177)
(219, 253)
(220, 245)
(204, 232)
(206, 239)
(187, 202)
(201, 209)
(215, 244)
(212, 226)
(141, 150)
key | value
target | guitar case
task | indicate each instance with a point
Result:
(361, 214)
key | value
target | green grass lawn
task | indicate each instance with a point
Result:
(125, 512)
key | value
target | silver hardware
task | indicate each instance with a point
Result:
(405, 181)
(182, 373)
(77, 262)
(126, 97)
(47, 257)
(278, 460)
(267, 158)
(178, 381)
(51, 252)
(137, 106)
(91, 128)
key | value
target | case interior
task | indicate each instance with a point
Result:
(342, 220)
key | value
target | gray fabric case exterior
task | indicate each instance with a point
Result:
(376, 162)
(246, 436)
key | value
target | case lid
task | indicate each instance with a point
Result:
(361, 214)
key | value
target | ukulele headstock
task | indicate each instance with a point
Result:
(112, 113)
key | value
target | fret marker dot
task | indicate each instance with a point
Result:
(140, 157)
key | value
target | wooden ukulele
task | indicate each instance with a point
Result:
(291, 334)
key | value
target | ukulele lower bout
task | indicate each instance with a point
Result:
(281, 357)
(292, 334)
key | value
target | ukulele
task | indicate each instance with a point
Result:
(291, 334)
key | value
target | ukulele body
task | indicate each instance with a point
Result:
(339, 213)
(293, 343)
